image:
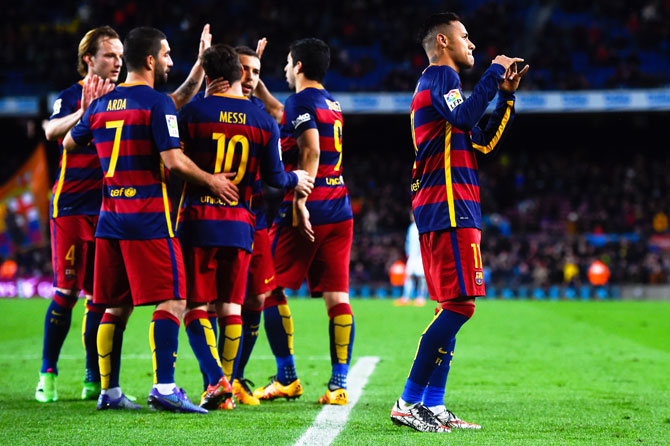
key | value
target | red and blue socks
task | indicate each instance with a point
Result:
(89, 337)
(56, 326)
(202, 338)
(433, 350)
(164, 340)
(251, 321)
(230, 340)
(341, 330)
(279, 330)
(110, 341)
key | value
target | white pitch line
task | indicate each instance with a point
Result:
(332, 419)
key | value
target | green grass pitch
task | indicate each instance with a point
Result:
(532, 373)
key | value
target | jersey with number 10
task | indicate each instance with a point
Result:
(315, 108)
(131, 126)
(224, 133)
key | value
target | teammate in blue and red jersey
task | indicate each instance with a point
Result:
(225, 132)
(311, 237)
(75, 205)
(445, 200)
(136, 136)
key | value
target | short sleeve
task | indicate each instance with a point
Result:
(300, 116)
(81, 133)
(164, 125)
(66, 104)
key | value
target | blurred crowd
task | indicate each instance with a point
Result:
(570, 44)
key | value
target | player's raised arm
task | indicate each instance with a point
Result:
(192, 84)
(487, 139)
(272, 105)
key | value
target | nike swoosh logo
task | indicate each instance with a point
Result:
(172, 403)
(439, 350)
(268, 280)
(55, 313)
(400, 414)
(174, 354)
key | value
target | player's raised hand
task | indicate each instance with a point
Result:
(218, 85)
(505, 61)
(94, 87)
(223, 188)
(305, 183)
(205, 40)
(304, 225)
(260, 47)
(511, 78)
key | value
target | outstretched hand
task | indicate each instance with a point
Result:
(303, 224)
(94, 87)
(260, 47)
(511, 78)
(205, 40)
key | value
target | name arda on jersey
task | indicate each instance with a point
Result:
(301, 119)
(116, 104)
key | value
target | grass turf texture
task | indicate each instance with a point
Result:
(530, 372)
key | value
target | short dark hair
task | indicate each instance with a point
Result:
(430, 25)
(140, 43)
(221, 60)
(314, 55)
(90, 43)
(244, 50)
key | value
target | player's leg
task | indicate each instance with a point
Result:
(165, 287)
(201, 289)
(67, 253)
(292, 255)
(112, 290)
(92, 317)
(260, 283)
(329, 274)
(450, 275)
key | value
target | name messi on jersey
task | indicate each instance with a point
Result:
(116, 104)
(232, 118)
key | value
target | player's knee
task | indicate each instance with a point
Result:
(466, 308)
(255, 303)
(276, 297)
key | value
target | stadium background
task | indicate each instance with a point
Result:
(582, 177)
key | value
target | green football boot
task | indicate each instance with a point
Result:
(46, 389)
(90, 391)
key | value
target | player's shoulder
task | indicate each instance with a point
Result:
(440, 74)
(73, 91)
(257, 102)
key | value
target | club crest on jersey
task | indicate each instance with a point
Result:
(453, 99)
(301, 119)
(172, 125)
(57, 106)
(479, 278)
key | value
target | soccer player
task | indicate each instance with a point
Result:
(225, 132)
(445, 200)
(75, 206)
(138, 259)
(312, 235)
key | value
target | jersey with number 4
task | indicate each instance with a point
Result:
(224, 133)
(315, 108)
(131, 126)
(79, 177)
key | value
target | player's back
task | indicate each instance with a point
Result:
(315, 108)
(223, 133)
(130, 126)
(79, 177)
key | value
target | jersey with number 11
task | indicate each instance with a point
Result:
(130, 127)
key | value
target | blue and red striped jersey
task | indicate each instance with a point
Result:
(223, 133)
(131, 126)
(78, 186)
(315, 108)
(445, 181)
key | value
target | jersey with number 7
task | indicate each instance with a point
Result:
(130, 127)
